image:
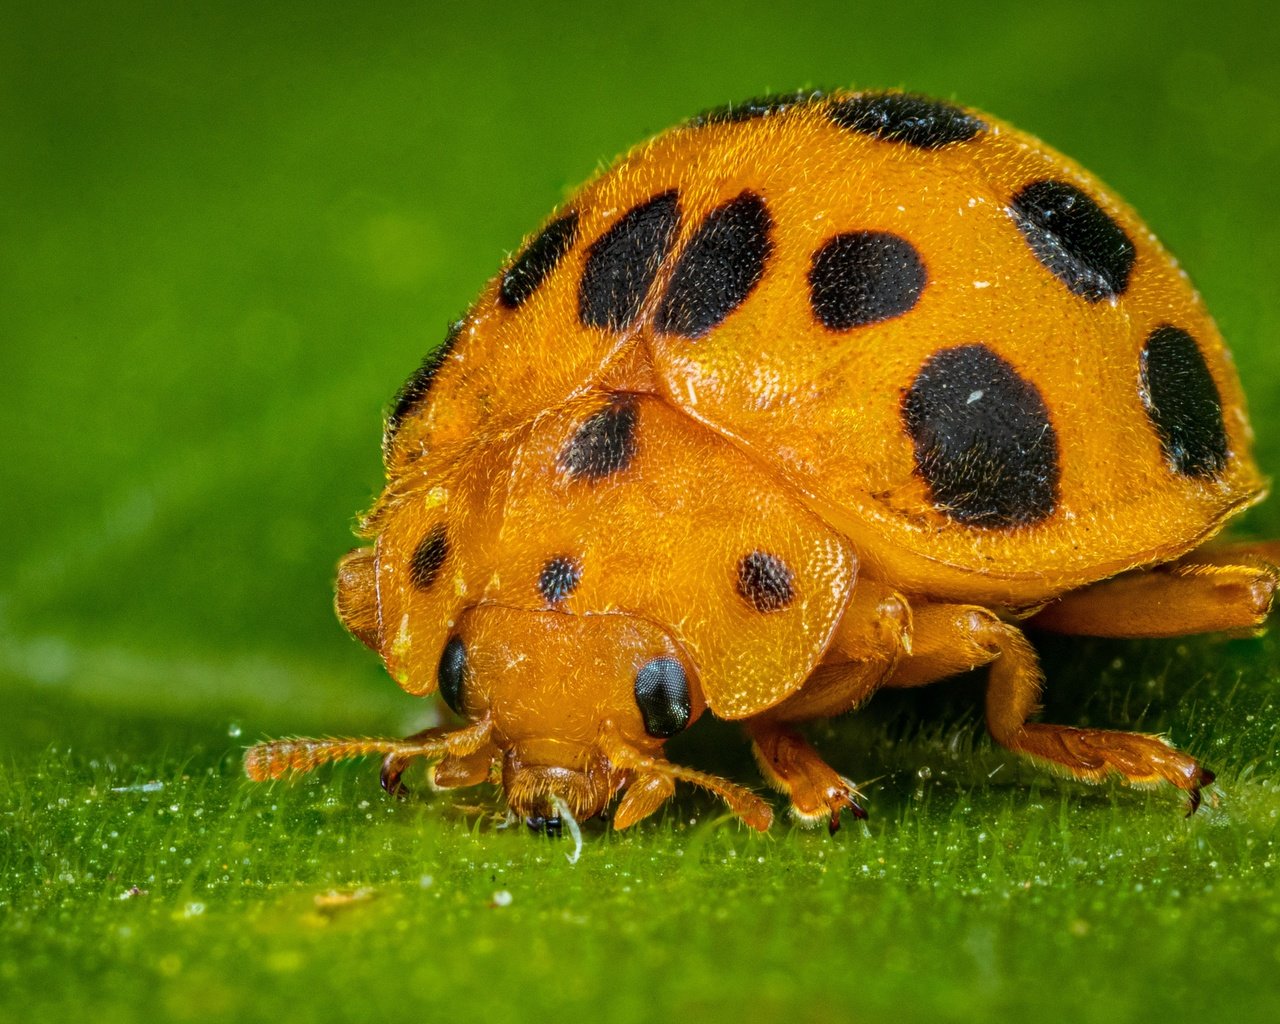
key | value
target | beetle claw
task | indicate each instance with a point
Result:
(391, 774)
(1204, 777)
(844, 801)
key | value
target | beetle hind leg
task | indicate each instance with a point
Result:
(1230, 589)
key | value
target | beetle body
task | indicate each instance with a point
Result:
(802, 399)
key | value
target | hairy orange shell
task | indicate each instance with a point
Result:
(794, 344)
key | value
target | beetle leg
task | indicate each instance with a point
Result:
(873, 636)
(1205, 593)
(817, 793)
(395, 764)
(452, 771)
(642, 798)
(458, 771)
(952, 638)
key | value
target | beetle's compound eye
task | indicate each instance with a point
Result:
(662, 692)
(452, 673)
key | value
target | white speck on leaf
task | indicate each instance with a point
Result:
(141, 787)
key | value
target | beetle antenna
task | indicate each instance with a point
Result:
(743, 802)
(748, 806)
(275, 758)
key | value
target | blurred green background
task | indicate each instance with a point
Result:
(230, 230)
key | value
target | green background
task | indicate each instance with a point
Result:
(227, 232)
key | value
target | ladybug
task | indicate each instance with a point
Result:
(807, 397)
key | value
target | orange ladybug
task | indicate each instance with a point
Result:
(804, 398)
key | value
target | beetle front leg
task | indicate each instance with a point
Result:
(816, 791)
(872, 638)
(394, 765)
(451, 771)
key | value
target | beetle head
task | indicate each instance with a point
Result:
(578, 705)
(568, 711)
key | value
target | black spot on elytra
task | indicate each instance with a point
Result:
(622, 263)
(451, 674)
(604, 444)
(1074, 239)
(428, 558)
(662, 694)
(983, 440)
(559, 578)
(864, 277)
(537, 260)
(1183, 403)
(756, 108)
(722, 263)
(413, 392)
(765, 581)
(903, 117)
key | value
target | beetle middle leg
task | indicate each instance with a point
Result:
(954, 638)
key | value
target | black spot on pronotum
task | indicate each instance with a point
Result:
(539, 258)
(864, 277)
(415, 390)
(662, 694)
(452, 674)
(756, 108)
(559, 578)
(902, 117)
(765, 581)
(984, 444)
(1183, 403)
(722, 263)
(1074, 239)
(622, 263)
(604, 444)
(428, 558)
